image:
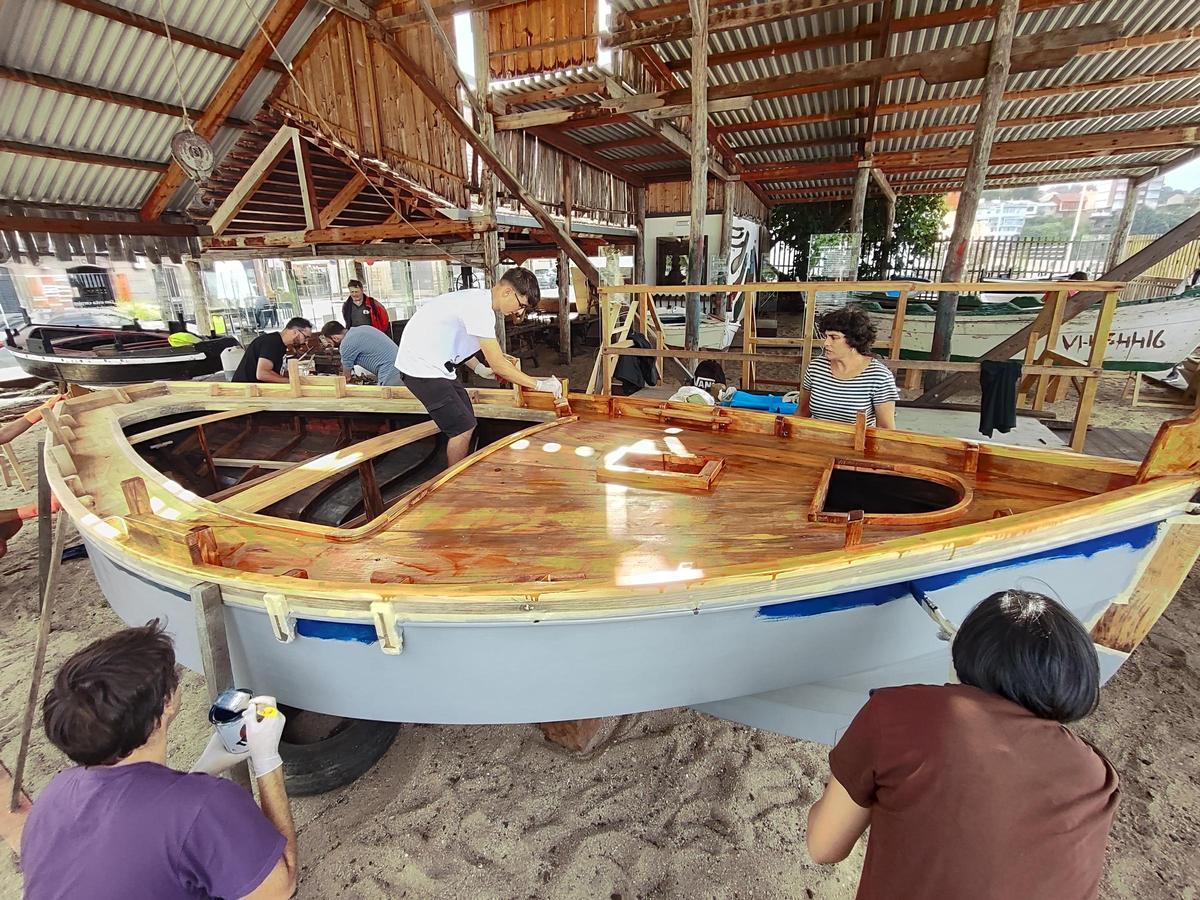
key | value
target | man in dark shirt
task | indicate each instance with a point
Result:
(263, 359)
(122, 824)
(977, 789)
(360, 309)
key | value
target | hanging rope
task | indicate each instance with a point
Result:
(187, 120)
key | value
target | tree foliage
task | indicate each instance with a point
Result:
(918, 221)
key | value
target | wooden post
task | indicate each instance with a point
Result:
(858, 205)
(806, 336)
(564, 271)
(1125, 625)
(491, 237)
(209, 609)
(199, 298)
(699, 164)
(725, 247)
(50, 550)
(1116, 250)
(1056, 314)
(749, 335)
(639, 248)
(968, 200)
(1087, 397)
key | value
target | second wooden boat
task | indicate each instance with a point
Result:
(630, 556)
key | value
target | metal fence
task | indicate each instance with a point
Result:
(1018, 258)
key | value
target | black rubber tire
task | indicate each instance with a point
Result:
(335, 761)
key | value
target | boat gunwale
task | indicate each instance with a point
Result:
(986, 541)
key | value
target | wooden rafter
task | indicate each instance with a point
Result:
(868, 31)
(62, 86)
(98, 226)
(953, 127)
(411, 230)
(154, 26)
(966, 100)
(725, 20)
(252, 179)
(558, 92)
(239, 79)
(304, 172)
(341, 200)
(878, 51)
(80, 156)
(555, 138)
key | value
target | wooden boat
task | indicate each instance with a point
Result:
(629, 556)
(96, 357)
(1147, 335)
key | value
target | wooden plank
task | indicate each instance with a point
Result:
(1095, 358)
(341, 200)
(154, 434)
(413, 228)
(445, 11)
(1125, 625)
(308, 192)
(252, 178)
(313, 471)
(276, 24)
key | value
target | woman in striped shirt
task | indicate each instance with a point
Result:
(848, 379)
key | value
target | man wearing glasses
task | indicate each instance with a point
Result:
(451, 329)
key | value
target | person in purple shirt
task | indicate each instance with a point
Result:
(122, 824)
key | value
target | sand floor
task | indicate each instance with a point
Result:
(676, 804)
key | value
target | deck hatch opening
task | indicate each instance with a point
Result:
(888, 493)
(661, 471)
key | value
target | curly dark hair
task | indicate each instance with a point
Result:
(854, 323)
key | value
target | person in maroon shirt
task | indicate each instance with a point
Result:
(122, 824)
(978, 789)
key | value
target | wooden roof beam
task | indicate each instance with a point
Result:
(155, 26)
(62, 86)
(1048, 49)
(759, 13)
(53, 225)
(344, 198)
(411, 230)
(283, 13)
(567, 144)
(869, 31)
(966, 100)
(558, 92)
(79, 156)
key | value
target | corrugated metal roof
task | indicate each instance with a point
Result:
(1176, 63)
(54, 39)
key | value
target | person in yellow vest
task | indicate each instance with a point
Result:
(179, 335)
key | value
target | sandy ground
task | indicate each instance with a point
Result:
(675, 804)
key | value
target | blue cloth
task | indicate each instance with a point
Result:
(762, 403)
(367, 346)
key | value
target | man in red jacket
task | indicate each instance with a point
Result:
(359, 309)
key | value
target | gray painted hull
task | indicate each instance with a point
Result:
(504, 672)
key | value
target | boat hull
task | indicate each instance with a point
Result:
(481, 672)
(91, 371)
(1145, 336)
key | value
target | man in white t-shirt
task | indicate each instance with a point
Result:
(451, 329)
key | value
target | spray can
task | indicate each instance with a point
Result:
(226, 716)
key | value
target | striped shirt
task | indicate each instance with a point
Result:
(838, 400)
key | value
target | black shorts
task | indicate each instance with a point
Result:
(446, 401)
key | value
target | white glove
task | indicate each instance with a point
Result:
(549, 385)
(262, 735)
(485, 372)
(216, 760)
